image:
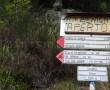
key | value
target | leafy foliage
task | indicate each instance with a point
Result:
(28, 42)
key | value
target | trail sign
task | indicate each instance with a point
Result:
(85, 24)
(84, 57)
(86, 35)
(90, 73)
(85, 42)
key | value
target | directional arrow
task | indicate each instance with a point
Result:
(84, 57)
(85, 42)
(60, 42)
(60, 56)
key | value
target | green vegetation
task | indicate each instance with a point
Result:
(7, 82)
(27, 46)
(65, 85)
(28, 34)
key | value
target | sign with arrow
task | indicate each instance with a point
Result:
(85, 42)
(84, 57)
(87, 38)
(92, 73)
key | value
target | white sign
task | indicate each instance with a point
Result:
(84, 57)
(85, 24)
(87, 42)
(90, 73)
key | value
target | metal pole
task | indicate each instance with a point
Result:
(92, 85)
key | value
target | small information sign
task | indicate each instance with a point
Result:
(92, 73)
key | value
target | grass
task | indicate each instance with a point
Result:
(65, 85)
(7, 82)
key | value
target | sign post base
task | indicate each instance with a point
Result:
(92, 85)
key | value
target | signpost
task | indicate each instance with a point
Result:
(92, 85)
(85, 42)
(87, 36)
(92, 73)
(84, 57)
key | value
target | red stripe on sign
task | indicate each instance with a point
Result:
(60, 56)
(60, 42)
